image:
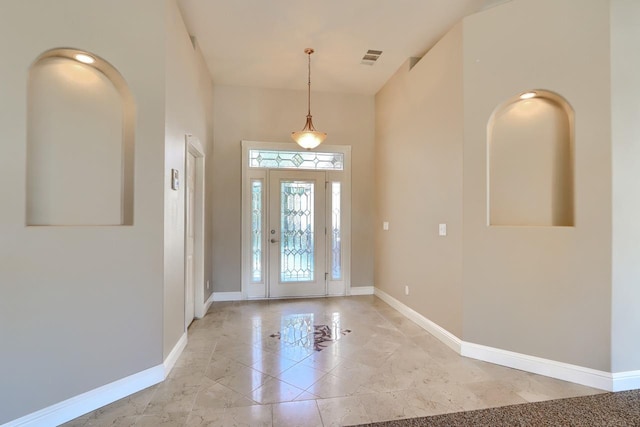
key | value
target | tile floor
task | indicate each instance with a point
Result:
(233, 373)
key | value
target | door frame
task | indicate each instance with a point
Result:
(193, 146)
(259, 290)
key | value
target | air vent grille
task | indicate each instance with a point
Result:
(371, 57)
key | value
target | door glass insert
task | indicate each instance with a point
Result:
(256, 230)
(336, 246)
(297, 231)
(276, 159)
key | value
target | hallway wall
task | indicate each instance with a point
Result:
(538, 290)
(80, 307)
(242, 113)
(189, 110)
(419, 131)
(543, 291)
(84, 306)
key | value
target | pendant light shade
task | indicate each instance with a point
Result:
(308, 137)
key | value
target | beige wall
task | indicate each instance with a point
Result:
(80, 307)
(542, 291)
(419, 184)
(242, 113)
(625, 115)
(189, 92)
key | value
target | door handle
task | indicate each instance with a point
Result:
(274, 241)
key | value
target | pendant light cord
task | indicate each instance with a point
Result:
(309, 87)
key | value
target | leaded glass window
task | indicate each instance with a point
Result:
(336, 245)
(275, 159)
(297, 231)
(256, 230)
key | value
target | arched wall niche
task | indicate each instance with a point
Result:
(80, 142)
(530, 140)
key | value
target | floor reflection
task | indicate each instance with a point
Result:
(298, 330)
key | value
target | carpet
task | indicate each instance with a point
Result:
(619, 409)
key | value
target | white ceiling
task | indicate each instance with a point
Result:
(260, 43)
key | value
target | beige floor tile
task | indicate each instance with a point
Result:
(495, 393)
(322, 360)
(275, 390)
(215, 395)
(301, 376)
(385, 368)
(244, 380)
(297, 414)
(221, 367)
(342, 411)
(246, 416)
(333, 386)
(170, 419)
(307, 396)
(171, 397)
(273, 364)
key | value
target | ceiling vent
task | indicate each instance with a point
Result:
(371, 57)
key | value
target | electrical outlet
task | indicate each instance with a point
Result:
(406, 290)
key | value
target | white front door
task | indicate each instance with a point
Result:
(296, 234)
(190, 209)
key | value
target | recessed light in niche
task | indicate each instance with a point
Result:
(84, 58)
(528, 95)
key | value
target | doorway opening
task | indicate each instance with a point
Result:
(194, 230)
(296, 220)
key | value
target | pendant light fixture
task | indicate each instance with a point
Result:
(308, 137)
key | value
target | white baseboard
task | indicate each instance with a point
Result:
(434, 329)
(537, 365)
(619, 381)
(226, 296)
(622, 381)
(86, 402)
(83, 403)
(204, 308)
(362, 290)
(173, 356)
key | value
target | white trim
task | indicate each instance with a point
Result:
(175, 353)
(622, 381)
(226, 296)
(362, 290)
(83, 403)
(618, 381)
(537, 365)
(193, 146)
(251, 290)
(206, 306)
(434, 329)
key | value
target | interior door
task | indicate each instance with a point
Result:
(190, 209)
(296, 235)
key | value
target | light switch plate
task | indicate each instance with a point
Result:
(385, 226)
(442, 229)
(175, 179)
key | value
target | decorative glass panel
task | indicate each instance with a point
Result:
(295, 160)
(256, 231)
(336, 246)
(296, 231)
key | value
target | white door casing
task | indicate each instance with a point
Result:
(190, 195)
(260, 270)
(195, 151)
